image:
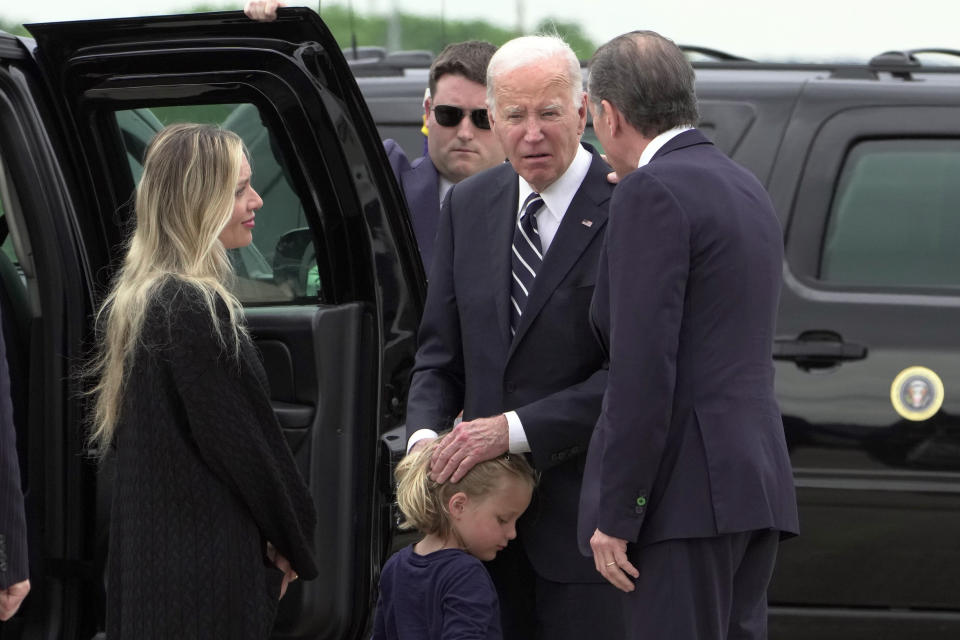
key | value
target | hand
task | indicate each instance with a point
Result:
(280, 562)
(469, 443)
(610, 559)
(11, 597)
(263, 10)
(612, 177)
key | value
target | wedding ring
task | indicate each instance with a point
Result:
(610, 564)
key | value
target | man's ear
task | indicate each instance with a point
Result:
(426, 108)
(457, 504)
(612, 118)
(582, 113)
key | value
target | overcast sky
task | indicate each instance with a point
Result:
(764, 29)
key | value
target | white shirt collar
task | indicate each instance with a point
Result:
(657, 143)
(444, 187)
(557, 197)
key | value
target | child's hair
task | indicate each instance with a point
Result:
(423, 502)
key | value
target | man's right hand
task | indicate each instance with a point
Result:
(263, 10)
(11, 597)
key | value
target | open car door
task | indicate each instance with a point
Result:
(332, 284)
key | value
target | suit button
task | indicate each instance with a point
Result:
(641, 505)
(510, 387)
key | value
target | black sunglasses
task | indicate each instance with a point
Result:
(449, 116)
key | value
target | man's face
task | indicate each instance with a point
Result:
(536, 121)
(461, 150)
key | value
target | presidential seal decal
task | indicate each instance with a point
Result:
(916, 393)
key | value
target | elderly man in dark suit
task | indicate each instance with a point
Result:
(14, 584)
(688, 487)
(505, 334)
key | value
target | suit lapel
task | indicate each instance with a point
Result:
(501, 214)
(584, 219)
(421, 183)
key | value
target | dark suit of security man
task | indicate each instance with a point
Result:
(456, 147)
(14, 574)
(524, 369)
(688, 463)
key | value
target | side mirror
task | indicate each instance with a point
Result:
(295, 263)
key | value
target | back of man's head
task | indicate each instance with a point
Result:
(648, 79)
(468, 59)
(526, 50)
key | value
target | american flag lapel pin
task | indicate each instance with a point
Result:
(587, 223)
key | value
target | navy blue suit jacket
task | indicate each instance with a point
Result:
(551, 373)
(421, 188)
(690, 442)
(13, 530)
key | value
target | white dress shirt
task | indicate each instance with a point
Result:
(556, 200)
(657, 143)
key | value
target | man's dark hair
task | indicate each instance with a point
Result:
(648, 79)
(468, 59)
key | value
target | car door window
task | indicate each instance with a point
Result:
(895, 219)
(280, 265)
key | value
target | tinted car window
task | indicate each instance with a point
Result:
(280, 265)
(895, 218)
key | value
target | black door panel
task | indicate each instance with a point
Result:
(323, 362)
(878, 491)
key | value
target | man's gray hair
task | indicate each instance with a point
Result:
(648, 79)
(526, 50)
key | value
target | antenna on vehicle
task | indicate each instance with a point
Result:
(353, 31)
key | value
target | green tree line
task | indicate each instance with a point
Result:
(414, 31)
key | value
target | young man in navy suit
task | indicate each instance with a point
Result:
(688, 487)
(505, 335)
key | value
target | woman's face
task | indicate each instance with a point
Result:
(239, 230)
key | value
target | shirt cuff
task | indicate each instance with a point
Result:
(418, 435)
(518, 437)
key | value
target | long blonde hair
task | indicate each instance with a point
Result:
(184, 200)
(423, 502)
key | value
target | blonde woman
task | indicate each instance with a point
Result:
(438, 588)
(208, 505)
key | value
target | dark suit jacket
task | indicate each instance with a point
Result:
(13, 529)
(551, 373)
(421, 188)
(690, 442)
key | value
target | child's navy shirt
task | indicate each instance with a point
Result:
(444, 595)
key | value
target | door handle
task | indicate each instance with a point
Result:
(818, 350)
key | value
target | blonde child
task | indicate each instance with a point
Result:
(437, 589)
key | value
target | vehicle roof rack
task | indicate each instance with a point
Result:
(712, 54)
(902, 64)
(376, 61)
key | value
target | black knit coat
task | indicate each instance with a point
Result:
(204, 480)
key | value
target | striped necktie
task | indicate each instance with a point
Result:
(526, 257)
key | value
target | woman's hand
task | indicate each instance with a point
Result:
(280, 562)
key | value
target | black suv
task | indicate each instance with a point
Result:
(862, 161)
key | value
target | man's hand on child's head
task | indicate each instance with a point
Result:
(469, 443)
